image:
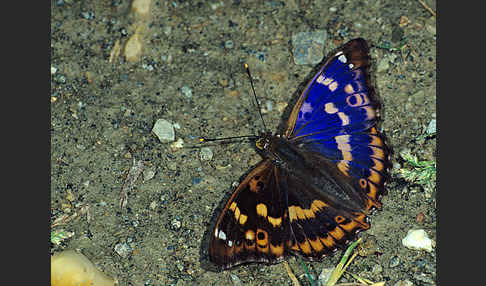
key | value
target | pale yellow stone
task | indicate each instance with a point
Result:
(133, 48)
(70, 268)
(141, 7)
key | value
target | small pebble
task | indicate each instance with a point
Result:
(167, 30)
(430, 26)
(186, 91)
(148, 174)
(141, 7)
(153, 205)
(123, 249)
(394, 261)
(228, 44)
(53, 70)
(206, 154)
(269, 105)
(377, 269)
(223, 82)
(235, 280)
(87, 15)
(420, 217)
(325, 275)
(405, 282)
(164, 130)
(432, 127)
(418, 239)
(420, 263)
(176, 224)
(148, 67)
(133, 48)
(177, 144)
(308, 47)
(196, 180)
(383, 65)
(215, 6)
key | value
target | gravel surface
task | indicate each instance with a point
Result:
(190, 73)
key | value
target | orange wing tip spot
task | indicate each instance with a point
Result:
(316, 245)
(337, 233)
(277, 250)
(352, 225)
(376, 141)
(276, 222)
(378, 153)
(305, 247)
(328, 241)
(372, 203)
(375, 177)
(372, 191)
(261, 210)
(378, 165)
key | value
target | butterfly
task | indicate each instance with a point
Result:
(318, 180)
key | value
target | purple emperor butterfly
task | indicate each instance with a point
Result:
(318, 180)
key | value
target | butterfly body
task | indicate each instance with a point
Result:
(318, 180)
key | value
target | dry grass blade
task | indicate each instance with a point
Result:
(428, 8)
(295, 282)
(132, 177)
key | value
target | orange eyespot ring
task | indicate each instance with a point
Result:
(363, 183)
(339, 219)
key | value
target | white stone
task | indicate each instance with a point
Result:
(418, 239)
(164, 130)
(206, 154)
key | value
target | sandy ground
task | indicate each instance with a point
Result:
(103, 113)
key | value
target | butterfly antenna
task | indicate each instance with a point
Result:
(203, 139)
(254, 95)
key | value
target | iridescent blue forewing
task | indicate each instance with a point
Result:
(336, 116)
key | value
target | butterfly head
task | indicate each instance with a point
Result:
(263, 141)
